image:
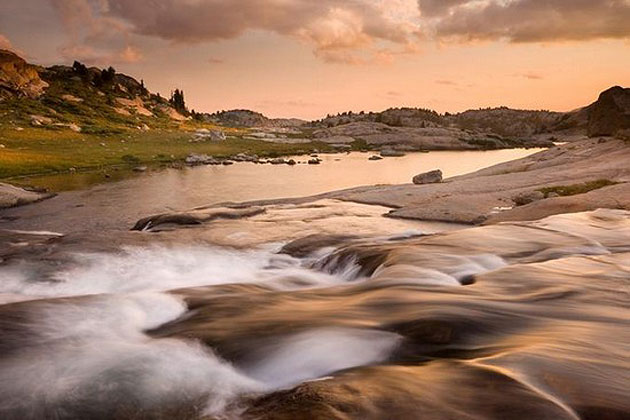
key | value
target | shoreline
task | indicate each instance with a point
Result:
(192, 159)
(485, 196)
(490, 195)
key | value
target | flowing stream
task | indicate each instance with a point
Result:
(519, 320)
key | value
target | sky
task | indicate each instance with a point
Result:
(309, 58)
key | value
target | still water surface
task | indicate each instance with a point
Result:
(119, 204)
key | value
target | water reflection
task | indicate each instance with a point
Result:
(116, 204)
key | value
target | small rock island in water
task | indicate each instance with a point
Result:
(164, 262)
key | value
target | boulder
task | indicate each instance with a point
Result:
(528, 197)
(431, 177)
(204, 134)
(314, 161)
(39, 120)
(74, 127)
(375, 157)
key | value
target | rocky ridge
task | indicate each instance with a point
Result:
(18, 78)
(96, 100)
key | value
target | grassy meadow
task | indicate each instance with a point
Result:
(40, 151)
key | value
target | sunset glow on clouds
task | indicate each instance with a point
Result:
(307, 58)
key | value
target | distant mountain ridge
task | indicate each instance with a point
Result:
(248, 118)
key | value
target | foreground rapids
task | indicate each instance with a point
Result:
(523, 320)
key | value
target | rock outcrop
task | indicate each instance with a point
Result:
(18, 78)
(610, 115)
(78, 98)
(11, 196)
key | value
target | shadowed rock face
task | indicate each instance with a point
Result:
(611, 113)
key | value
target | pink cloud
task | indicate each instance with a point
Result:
(350, 31)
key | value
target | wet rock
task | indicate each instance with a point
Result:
(196, 217)
(304, 247)
(315, 161)
(431, 177)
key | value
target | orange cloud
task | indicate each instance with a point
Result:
(338, 31)
(351, 31)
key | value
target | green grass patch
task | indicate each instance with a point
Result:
(40, 151)
(575, 189)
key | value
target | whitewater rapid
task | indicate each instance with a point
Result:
(531, 317)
